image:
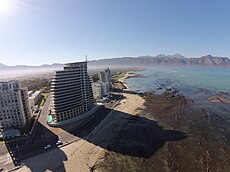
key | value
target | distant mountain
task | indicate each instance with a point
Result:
(2, 66)
(209, 61)
(176, 59)
(162, 59)
(55, 65)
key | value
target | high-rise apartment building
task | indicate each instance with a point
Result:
(105, 81)
(14, 106)
(100, 89)
(25, 102)
(105, 75)
(71, 94)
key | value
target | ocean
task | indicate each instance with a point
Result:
(198, 84)
(186, 79)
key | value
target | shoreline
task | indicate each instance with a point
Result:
(129, 74)
(180, 113)
(108, 147)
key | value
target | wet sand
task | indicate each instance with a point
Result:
(219, 99)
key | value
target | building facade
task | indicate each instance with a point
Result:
(14, 106)
(97, 91)
(105, 81)
(71, 93)
(34, 98)
(105, 76)
(100, 89)
(26, 105)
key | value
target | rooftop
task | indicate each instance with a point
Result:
(35, 94)
(73, 63)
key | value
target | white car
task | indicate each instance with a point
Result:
(59, 142)
(47, 146)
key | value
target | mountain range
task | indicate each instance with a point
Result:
(176, 59)
(55, 65)
(162, 59)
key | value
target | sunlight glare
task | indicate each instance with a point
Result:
(7, 7)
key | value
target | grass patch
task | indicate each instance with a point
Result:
(45, 94)
(119, 76)
(43, 99)
(36, 84)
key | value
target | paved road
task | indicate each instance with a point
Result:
(43, 135)
(40, 128)
(16, 147)
(5, 158)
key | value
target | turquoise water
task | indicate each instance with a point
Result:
(186, 79)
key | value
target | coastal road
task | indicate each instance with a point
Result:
(76, 133)
(41, 123)
(43, 134)
(14, 149)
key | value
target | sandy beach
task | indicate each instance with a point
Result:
(91, 155)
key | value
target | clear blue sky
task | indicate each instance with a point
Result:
(48, 31)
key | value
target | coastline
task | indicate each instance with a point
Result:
(202, 147)
(143, 121)
(129, 74)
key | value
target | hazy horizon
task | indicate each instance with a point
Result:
(57, 63)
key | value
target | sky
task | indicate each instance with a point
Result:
(36, 32)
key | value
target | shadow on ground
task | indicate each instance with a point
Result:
(40, 159)
(127, 134)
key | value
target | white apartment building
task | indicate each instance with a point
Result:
(104, 83)
(97, 91)
(104, 76)
(100, 89)
(14, 106)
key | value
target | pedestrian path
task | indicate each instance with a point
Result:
(6, 162)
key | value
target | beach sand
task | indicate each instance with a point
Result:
(90, 154)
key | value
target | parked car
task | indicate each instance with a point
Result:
(59, 142)
(47, 146)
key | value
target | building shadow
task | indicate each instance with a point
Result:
(126, 134)
(34, 155)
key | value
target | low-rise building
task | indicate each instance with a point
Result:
(30, 93)
(34, 99)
